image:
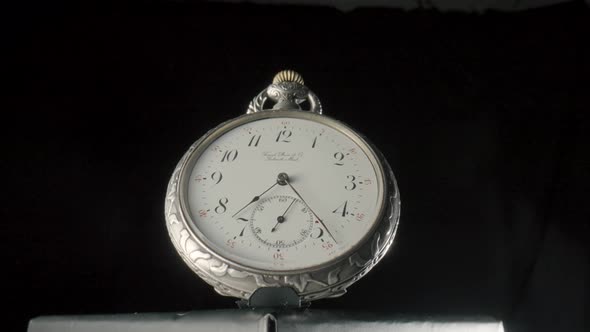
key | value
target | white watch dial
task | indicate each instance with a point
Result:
(328, 203)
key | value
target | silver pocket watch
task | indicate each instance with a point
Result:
(282, 198)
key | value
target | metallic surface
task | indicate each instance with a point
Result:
(288, 92)
(288, 76)
(326, 280)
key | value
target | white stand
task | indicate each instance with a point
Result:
(244, 320)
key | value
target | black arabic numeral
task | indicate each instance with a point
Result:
(217, 177)
(319, 234)
(351, 185)
(229, 155)
(343, 206)
(339, 156)
(283, 136)
(221, 208)
(243, 229)
(254, 140)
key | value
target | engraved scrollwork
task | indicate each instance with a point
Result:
(286, 96)
(301, 281)
(257, 104)
(333, 276)
(290, 93)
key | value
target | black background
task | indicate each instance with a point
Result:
(482, 117)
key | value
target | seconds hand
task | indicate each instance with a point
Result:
(285, 179)
(281, 219)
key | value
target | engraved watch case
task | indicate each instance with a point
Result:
(286, 93)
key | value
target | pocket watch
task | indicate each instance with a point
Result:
(282, 198)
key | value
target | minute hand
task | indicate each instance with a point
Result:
(310, 209)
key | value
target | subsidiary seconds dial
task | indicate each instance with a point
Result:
(281, 221)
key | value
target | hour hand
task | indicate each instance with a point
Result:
(257, 197)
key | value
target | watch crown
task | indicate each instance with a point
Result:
(288, 76)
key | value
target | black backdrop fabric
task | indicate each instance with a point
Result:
(482, 117)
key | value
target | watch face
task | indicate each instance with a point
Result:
(283, 193)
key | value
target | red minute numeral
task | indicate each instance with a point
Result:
(360, 216)
(231, 243)
(202, 213)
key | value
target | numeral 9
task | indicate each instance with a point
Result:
(216, 176)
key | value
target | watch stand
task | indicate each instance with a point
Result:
(268, 310)
(260, 320)
(273, 297)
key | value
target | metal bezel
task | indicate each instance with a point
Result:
(327, 279)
